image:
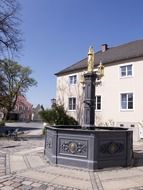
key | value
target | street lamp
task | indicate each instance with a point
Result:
(53, 102)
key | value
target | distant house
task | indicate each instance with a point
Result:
(22, 110)
(35, 113)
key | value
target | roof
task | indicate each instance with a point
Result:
(21, 100)
(126, 51)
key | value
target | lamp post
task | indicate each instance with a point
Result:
(53, 102)
(89, 83)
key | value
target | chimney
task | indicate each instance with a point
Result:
(104, 47)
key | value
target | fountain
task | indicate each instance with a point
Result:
(90, 147)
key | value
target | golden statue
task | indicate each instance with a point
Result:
(101, 69)
(90, 60)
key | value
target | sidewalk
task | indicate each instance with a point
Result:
(26, 169)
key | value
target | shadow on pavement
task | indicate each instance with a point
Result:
(9, 128)
(18, 133)
(138, 158)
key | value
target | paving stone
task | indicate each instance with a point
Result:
(25, 187)
(2, 162)
(2, 174)
(35, 184)
(16, 184)
(8, 183)
(2, 171)
(50, 188)
(27, 182)
(7, 188)
(17, 180)
(43, 187)
(2, 167)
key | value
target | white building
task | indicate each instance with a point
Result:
(119, 94)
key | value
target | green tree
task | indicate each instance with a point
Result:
(15, 81)
(57, 116)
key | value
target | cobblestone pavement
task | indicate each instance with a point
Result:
(28, 170)
(23, 183)
(2, 164)
(23, 167)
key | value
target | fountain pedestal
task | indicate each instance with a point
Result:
(90, 149)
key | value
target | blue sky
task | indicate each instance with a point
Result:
(58, 33)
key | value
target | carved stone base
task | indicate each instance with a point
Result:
(91, 149)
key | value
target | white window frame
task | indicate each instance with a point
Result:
(126, 65)
(96, 99)
(73, 107)
(127, 109)
(73, 79)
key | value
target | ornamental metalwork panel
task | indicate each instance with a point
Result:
(112, 148)
(73, 147)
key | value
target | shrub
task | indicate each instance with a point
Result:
(2, 123)
(57, 116)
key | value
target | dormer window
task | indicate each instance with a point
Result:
(72, 79)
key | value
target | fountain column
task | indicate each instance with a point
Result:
(89, 94)
(89, 100)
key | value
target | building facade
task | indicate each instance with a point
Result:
(118, 96)
(35, 113)
(22, 110)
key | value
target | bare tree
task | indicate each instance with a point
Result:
(10, 35)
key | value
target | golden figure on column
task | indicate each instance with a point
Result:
(90, 60)
(100, 69)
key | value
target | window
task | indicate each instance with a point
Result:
(73, 79)
(97, 102)
(127, 101)
(72, 103)
(126, 70)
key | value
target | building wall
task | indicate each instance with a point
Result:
(65, 90)
(35, 113)
(23, 108)
(112, 85)
(111, 88)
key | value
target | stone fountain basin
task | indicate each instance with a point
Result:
(99, 147)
